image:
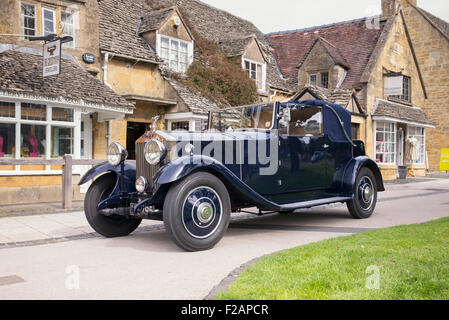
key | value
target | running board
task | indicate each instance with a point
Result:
(312, 203)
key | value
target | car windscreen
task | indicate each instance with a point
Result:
(255, 117)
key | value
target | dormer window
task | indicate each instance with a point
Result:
(257, 72)
(177, 54)
(325, 80)
(313, 79)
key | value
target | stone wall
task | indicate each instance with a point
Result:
(432, 51)
(86, 35)
(396, 56)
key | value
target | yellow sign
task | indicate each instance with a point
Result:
(444, 165)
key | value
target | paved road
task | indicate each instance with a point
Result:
(147, 265)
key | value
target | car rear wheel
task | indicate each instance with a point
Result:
(197, 212)
(365, 195)
(110, 227)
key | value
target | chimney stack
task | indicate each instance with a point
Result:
(389, 7)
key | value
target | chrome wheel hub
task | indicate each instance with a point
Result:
(366, 193)
(205, 212)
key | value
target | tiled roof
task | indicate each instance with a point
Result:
(337, 96)
(118, 25)
(195, 102)
(154, 19)
(218, 25)
(401, 112)
(22, 75)
(235, 47)
(351, 43)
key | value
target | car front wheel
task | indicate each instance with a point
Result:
(110, 227)
(365, 195)
(197, 212)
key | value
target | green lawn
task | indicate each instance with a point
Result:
(410, 262)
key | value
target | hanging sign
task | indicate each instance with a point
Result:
(52, 58)
(394, 86)
(444, 165)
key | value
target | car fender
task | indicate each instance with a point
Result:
(352, 170)
(128, 178)
(183, 167)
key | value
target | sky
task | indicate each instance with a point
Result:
(280, 15)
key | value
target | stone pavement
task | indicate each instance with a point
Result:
(29, 230)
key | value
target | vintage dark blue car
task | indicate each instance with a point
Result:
(278, 157)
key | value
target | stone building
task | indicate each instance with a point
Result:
(372, 64)
(430, 38)
(125, 50)
(49, 117)
(143, 42)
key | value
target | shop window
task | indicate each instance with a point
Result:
(325, 79)
(28, 17)
(61, 141)
(63, 115)
(37, 112)
(32, 141)
(201, 125)
(182, 125)
(385, 143)
(7, 110)
(7, 140)
(420, 135)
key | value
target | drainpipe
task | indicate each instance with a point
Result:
(109, 132)
(274, 95)
(105, 70)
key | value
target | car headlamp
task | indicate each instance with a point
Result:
(116, 154)
(155, 152)
(141, 184)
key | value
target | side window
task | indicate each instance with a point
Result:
(304, 122)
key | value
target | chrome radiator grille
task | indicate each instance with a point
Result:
(144, 169)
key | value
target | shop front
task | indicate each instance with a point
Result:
(45, 119)
(400, 139)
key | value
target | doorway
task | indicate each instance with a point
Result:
(134, 131)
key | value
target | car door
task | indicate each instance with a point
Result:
(305, 159)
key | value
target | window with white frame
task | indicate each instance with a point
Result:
(28, 18)
(48, 21)
(176, 53)
(386, 143)
(68, 27)
(42, 131)
(420, 135)
(313, 79)
(256, 72)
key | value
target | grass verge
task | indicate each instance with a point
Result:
(399, 263)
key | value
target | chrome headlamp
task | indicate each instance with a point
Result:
(116, 154)
(155, 152)
(141, 184)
